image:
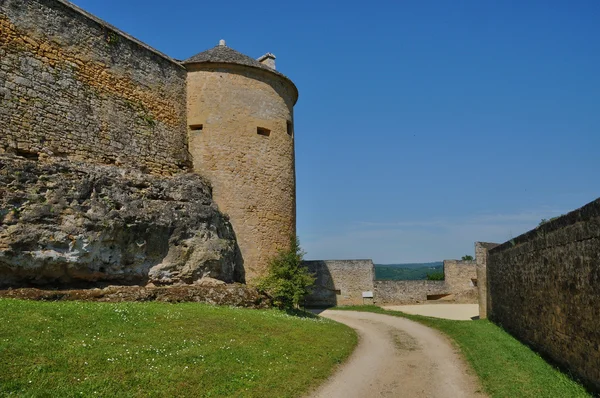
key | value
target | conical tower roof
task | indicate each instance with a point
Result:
(221, 54)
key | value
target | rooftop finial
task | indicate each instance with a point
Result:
(221, 42)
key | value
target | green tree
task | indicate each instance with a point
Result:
(467, 257)
(287, 280)
(435, 276)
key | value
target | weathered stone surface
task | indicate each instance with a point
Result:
(407, 292)
(236, 294)
(340, 282)
(252, 174)
(458, 286)
(460, 277)
(65, 222)
(74, 86)
(544, 288)
(481, 254)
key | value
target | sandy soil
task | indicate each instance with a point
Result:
(396, 357)
(447, 311)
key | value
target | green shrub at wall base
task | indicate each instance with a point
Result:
(287, 280)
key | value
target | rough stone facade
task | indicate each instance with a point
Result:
(458, 286)
(73, 86)
(407, 292)
(244, 144)
(72, 223)
(460, 278)
(545, 290)
(340, 282)
(481, 253)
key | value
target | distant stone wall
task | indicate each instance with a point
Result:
(75, 87)
(458, 286)
(343, 282)
(407, 292)
(461, 280)
(340, 282)
(545, 290)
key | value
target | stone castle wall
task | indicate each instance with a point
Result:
(460, 278)
(252, 174)
(481, 254)
(340, 282)
(459, 274)
(75, 87)
(457, 286)
(407, 292)
(544, 288)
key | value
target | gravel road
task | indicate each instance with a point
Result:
(397, 357)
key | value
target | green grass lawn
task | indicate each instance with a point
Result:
(68, 349)
(506, 367)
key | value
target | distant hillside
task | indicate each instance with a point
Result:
(406, 272)
(412, 265)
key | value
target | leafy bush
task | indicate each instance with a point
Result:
(287, 280)
(435, 276)
(467, 258)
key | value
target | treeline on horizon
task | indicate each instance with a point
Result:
(407, 272)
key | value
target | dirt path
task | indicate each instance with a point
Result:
(397, 357)
(461, 312)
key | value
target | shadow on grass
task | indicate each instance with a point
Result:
(300, 313)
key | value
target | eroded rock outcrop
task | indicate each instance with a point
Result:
(233, 294)
(70, 223)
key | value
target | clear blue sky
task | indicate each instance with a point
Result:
(422, 126)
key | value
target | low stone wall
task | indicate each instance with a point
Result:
(340, 282)
(458, 285)
(406, 292)
(545, 290)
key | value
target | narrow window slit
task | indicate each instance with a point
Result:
(436, 296)
(31, 155)
(263, 131)
(196, 127)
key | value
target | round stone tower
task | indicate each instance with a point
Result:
(241, 137)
